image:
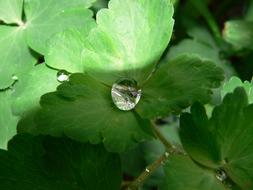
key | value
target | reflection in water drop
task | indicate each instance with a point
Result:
(221, 175)
(63, 76)
(125, 94)
(14, 77)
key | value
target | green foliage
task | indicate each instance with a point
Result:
(73, 111)
(7, 119)
(60, 67)
(183, 174)
(239, 33)
(11, 11)
(177, 84)
(223, 141)
(235, 82)
(50, 163)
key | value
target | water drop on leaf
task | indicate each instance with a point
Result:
(63, 76)
(14, 77)
(221, 175)
(125, 94)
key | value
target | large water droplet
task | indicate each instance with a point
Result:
(125, 94)
(63, 76)
(221, 175)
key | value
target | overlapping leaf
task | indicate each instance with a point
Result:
(15, 55)
(8, 121)
(239, 33)
(50, 163)
(83, 110)
(60, 15)
(181, 173)
(203, 45)
(235, 82)
(177, 85)
(11, 11)
(129, 39)
(65, 49)
(31, 87)
(225, 140)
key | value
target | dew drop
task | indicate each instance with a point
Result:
(14, 77)
(63, 76)
(221, 175)
(147, 170)
(125, 94)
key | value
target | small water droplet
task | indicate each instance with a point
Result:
(14, 77)
(125, 94)
(63, 76)
(221, 175)
(147, 170)
(166, 154)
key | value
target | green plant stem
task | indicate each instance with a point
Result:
(206, 14)
(168, 146)
(148, 171)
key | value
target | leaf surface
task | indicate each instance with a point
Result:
(62, 15)
(48, 163)
(230, 129)
(181, 173)
(129, 39)
(177, 84)
(8, 121)
(15, 55)
(83, 110)
(11, 11)
(38, 81)
(239, 33)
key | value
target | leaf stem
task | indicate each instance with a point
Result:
(168, 146)
(148, 171)
(207, 15)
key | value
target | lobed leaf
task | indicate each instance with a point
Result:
(129, 39)
(8, 121)
(62, 15)
(181, 173)
(239, 34)
(48, 163)
(15, 55)
(82, 109)
(177, 84)
(235, 82)
(11, 11)
(229, 130)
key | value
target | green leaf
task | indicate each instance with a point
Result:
(83, 110)
(11, 11)
(49, 163)
(249, 15)
(194, 130)
(231, 129)
(8, 121)
(65, 49)
(129, 39)
(15, 55)
(181, 173)
(239, 33)
(177, 84)
(59, 16)
(235, 82)
(202, 45)
(38, 81)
